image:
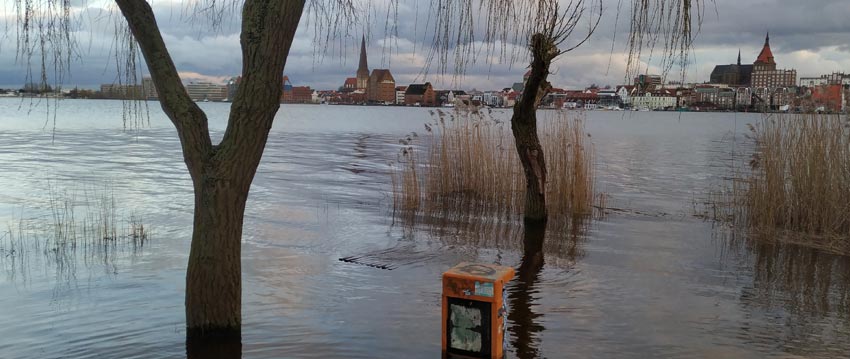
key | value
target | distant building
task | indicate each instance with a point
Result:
(298, 94)
(381, 87)
(655, 100)
(648, 82)
(765, 74)
(625, 94)
(829, 98)
(233, 86)
(295, 94)
(608, 98)
(149, 89)
(201, 91)
(363, 68)
(836, 78)
(492, 99)
(420, 95)
(714, 97)
(732, 75)
(349, 85)
(399, 95)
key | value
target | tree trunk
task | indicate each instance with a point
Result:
(524, 128)
(213, 276)
(221, 174)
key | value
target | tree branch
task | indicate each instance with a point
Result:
(268, 29)
(190, 121)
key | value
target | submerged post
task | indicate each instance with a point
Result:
(474, 310)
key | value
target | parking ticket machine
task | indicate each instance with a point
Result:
(474, 310)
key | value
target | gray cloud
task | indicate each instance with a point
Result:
(811, 36)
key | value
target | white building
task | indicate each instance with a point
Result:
(399, 95)
(835, 78)
(200, 91)
(654, 101)
(624, 92)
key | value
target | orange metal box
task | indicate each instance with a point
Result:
(474, 312)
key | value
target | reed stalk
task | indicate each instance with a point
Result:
(796, 187)
(471, 170)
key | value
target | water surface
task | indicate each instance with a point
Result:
(649, 281)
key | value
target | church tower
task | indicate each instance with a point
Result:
(765, 61)
(363, 69)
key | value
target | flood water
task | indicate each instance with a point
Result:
(648, 280)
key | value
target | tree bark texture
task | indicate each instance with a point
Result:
(524, 128)
(221, 174)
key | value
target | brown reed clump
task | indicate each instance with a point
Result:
(797, 182)
(472, 172)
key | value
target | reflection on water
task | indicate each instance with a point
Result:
(631, 285)
(525, 324)
(805, 292)
(213, 348)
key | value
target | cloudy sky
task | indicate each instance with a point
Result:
(812, 36)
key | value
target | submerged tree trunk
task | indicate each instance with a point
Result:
(524, 128)
(213, 276)
(221, 174)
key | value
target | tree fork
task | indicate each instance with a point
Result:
(222, 174)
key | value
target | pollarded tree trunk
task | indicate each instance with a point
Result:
(221, 174)
(524, 128)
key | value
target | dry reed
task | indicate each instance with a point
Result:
(472, 171)
(796, 186)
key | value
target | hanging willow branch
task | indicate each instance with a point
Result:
(668, 25)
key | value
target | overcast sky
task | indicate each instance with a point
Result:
(811, 36)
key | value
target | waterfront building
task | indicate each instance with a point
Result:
(655, 100)
(624, 92)
(608, 98)
(200, 91)
(836, 78)
(349, 85)
(716, 97)
(765, 74)
(648, 82)
(399, 95)
(829, 98)
(732, 75)
(295, 94)
(381, 87)
(420, 95)
(148, 88)
(232, 86)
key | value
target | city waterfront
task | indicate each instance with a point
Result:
(650, 279)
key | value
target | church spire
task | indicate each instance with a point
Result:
(363, 63)
(767, 39)
(739, 57)
(363, 69)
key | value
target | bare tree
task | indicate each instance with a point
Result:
(222, 173)
(544, 48)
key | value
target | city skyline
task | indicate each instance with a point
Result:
(811, 40)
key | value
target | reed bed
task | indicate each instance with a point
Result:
(796, 185)
(82, 225)
(466, 168)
